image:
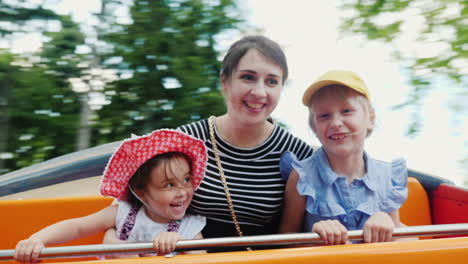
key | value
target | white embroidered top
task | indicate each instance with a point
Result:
(145, 229)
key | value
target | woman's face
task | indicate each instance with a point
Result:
(254, 88)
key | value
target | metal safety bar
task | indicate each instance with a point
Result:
(210, 243)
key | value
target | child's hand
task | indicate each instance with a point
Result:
(165, 242)
(28, 250)
(378, 228)
(331, 231)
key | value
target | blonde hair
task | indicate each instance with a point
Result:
(340, 92)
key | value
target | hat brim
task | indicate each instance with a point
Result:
(134, 152)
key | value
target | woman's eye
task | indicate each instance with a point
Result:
(247, 77)
(169, 185)
(346, 111)
(272, 82)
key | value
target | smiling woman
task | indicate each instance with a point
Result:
(244, 145)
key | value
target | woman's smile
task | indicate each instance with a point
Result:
(254, 106)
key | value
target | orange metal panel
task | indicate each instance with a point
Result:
(22, 218)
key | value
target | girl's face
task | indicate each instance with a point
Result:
(341, 124)
(169, 191)
(254, 88)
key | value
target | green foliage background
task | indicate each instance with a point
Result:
(443, 29)
(444, 23)
(166, 64)
(165, 59)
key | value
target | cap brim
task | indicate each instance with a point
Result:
(315, 87)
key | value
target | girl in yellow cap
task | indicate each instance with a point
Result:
(340, 187)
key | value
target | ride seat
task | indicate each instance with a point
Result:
(416, 210)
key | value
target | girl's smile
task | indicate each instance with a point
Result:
(338, 136)
(170, 191)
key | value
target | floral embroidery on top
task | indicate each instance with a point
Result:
(173, 226)
(129, 222)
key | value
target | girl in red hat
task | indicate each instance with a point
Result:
(153, 177)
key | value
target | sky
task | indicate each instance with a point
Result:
(308, 32)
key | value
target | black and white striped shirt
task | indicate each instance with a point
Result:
(253, 178)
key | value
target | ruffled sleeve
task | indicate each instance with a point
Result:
(305, 170)
(399, 190)
(286, 166)
(191, 225)
(388, 186)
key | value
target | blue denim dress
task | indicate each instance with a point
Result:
(382, 189)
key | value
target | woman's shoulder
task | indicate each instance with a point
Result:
(198, 129)
(290, 142)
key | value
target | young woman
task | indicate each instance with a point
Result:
(245, 145)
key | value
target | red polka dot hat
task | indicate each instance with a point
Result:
(135, 151)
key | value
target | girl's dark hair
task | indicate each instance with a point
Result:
(141, 177)
(264, 45)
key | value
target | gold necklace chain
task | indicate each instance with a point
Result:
(223, 178)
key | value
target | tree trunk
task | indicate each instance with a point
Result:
(84, 131)
(4, 121)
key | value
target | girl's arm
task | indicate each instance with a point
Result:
(395, 215)
(379, 227)
(164, 243)
(110, 237)
(332, 232)
(28, 250)
(75, 228)
(293, 208)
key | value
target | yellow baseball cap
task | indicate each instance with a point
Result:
(346, 78)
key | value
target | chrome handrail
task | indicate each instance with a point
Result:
(208, 243)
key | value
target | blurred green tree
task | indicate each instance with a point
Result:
(60, 62)
(168, 65)
(38, 109)
(166, 56)
(429, 38)
(26, 92)
(17, 17)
